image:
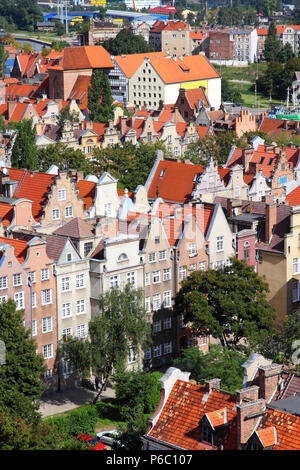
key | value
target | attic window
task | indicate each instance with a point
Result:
(123, 257)
(162, 173)
(270, 161)
(261, 160)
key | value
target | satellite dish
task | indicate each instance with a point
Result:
(5, 171)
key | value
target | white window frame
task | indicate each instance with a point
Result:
(147, 279)
(192, 250)
(61, 194)
(114, 281)
(80, 306)
(156, 277)
(56, 214)
(19, 298)
(148, 304)
(47, 324)
(132, 354)
(46, 296)
(69, 211)
(131, 278)
(65, 284)
(157, 350)
(168, 347)
(66, 310)
(167, 274)
(162, 255)
(152, 257)
(17, 279)
(47, 351)
(3, 282)
(220, 244)
(81, 331)
(182, 273)
(167, 299)
(45, 274)
(80, 281)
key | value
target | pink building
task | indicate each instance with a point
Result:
(246, 247)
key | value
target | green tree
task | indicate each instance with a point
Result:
(24, 153)
(219, 362)
(121, 317)
(62, 156)
(66, 116)
(229, 303)
(100, 97)
(127, 43)
(3, 57)
(135, 389)
(272, 44)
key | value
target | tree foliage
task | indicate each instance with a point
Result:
(99, 97)
(62, 156)
(126, 42)
(135, 389)
(121, 318)
(219, 362)
(229, 303)
(21, 14)
(24, 153)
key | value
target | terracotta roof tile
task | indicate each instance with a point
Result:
(19, 245)
(131, 62)
(6, 214)
(76, 228)
(87, 191)
(85, 57)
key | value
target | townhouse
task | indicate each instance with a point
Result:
(27, 278)
(184, 182)
(160, 79)
(268, 169)
(285, 33)
(233, 45)
(172, 37)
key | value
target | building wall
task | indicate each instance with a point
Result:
(154, 90)
(220, 46)
(219, 228)
(177, 42)
(62, 182)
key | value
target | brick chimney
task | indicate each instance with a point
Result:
(247, 394)
(271, 216)
(213, 384)
(123, 120)
(246, 157)
(268, 378)
(248, 414)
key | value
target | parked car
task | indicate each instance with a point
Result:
(108, 437)
(92, 442)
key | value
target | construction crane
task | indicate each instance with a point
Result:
(134, 6)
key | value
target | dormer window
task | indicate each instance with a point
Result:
(122, 257)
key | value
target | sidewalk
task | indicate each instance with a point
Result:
(60, 402)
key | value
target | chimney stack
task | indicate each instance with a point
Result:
(213, 384)
(271, 216)
(268, 377)
(248, 414)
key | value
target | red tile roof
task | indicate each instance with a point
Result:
(293, 198)
(34, 186)
(194, 95)
(131, 62)
(85, 57)
(79, 91)
(6, 214)
(178, 423)
(19, 245)
(86, 191)
(160, 25)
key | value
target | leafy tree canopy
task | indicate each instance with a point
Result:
(229, 303)
(99, 97)
(219, 362)
(24, 153)
(127, 43)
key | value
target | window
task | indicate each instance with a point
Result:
(132, 355)
(62, 194)
(32, 276)
(69, 211)
(168, 347)
(66, 332)
(3, 282)
(55, 214)
(108, 209)
(181, 321)
(87, 248)
(79, 281)
(3, 298)
(296, 266)
(19, 300)
(246, 251)
(167, 274)
(114, 281)
(69, 257)
(81, 331)
(80, 306)
(202, 340)
(220, 244)
(206, 433)
(156, 302)
(167, 323)
(193, 267)
(152, 257)
(65, 284)
(192, 249)
(66, 310)
(148, 304)
(34, 328)
(182, 273)
(147, 279)
(131, 278)
(167, 299)
(156, 277)
(162, 255)
(33, 300)
(219, 264)
(157, 350)
(17, 280)
(45, 274)
(47, 351)
(148, 354)
(296, 291)
(46, 296)
(47, 324)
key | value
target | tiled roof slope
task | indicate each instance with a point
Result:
(76, 228)
(85, 57)
(287, 427)
(190, 68)
(293, 198)
(178, 423)
(131, 62)
(20, 247)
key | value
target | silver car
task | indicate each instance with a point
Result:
(108, 437)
